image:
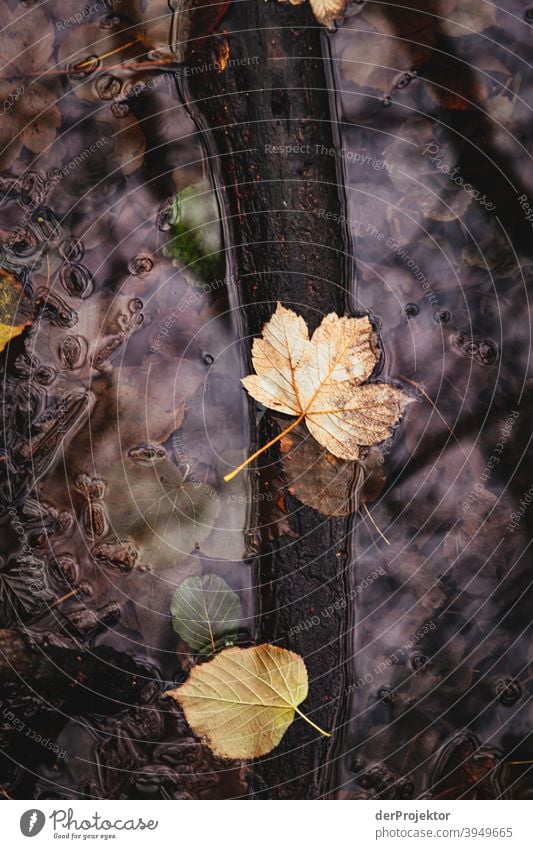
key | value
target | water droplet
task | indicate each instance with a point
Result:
(82, 70)
(404, 80)
(357, 764)
(68, 567)
(442, 316)
(45, 375)
(119, 109)
(85, 589)
(132, 89)
(140, 265)
(77, 280)
(404, 789)
(508, 691)
(47, 225)
(487, 353)
(32, 188)
(471, 347)
(72, 250)
(387, 695)
(147, 454)
(528, 15)
(418, 662)
(483, 351)
(109, 21)
(209, 359)
(23, 243)
(135, 305)
(72, 352)
(411, 310)
(107, 87)
(51, 307)
(387, 100)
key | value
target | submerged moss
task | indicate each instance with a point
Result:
(196, 234)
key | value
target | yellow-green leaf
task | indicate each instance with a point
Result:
(244, 700)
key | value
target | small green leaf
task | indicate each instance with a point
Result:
(204, 609)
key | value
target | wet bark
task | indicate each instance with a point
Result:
(269, 132)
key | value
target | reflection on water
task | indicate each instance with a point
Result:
(123, 406)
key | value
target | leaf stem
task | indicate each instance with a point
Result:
(310, 721)
(110, 52)
(228, 478)
(369, 514)
(518, 763)
(436, 409)
(63, 598)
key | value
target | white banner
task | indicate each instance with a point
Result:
(226, 825)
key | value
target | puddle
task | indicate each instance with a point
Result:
(123, 406)
(439, 696)
(124, 409)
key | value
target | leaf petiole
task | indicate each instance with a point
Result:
(231, 475)
(310, 721)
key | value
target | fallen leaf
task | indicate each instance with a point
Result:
(385, 42)
(449, 205)
(320, 379)
(325, 11)
(500, 108)
(244, 700)
(165, 515)
(130, 145)
(30, 115)
(26, 40)
(38, 117)
(468, 18)
(128, 138)
(204, 609)
(426, 189)
(25, 589)
(318, 479)
(464, 769)
(492, 252)
(14, 306)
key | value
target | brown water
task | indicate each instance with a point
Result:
(129, 377)
(440, 702)
(132, 372)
